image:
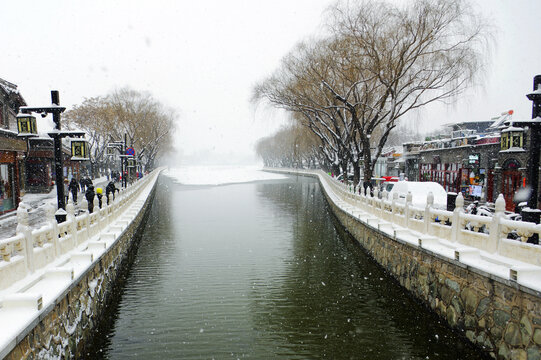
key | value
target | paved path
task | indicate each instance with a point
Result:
(37, 202)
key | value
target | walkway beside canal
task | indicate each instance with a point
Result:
(479, 282)
(65, 270)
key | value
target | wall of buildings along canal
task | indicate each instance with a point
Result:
(68, 328)
(500, 317)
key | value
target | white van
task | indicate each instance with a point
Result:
(419, 191)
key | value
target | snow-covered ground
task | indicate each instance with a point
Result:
(35, 204)
(219, 175)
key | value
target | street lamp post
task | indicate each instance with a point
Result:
(56, 110)
(535, 146)
(532, 213)
(57, 136)
(121, 148)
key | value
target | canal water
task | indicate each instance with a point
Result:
(258, 270)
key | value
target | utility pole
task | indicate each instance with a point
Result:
(535, 146)
(59, 170)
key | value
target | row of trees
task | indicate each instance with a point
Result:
(376, 63)
(296, 146)
(148, 125)
(291, 146)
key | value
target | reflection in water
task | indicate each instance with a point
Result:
(258, 270)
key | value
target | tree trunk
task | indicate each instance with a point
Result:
(356, 174)
(344, 165)
(367, 164)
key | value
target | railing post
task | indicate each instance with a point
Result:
(85, 217)
(409, 199)
(456, 229)
(106, 209)
(495, 227)
(24, 228)
(51, 219)
(369, 203)
(97, 210)
(393, 205)
(428, 216)
(376, 204)
(72, 224)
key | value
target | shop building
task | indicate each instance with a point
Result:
(12, 148)
(481, 159)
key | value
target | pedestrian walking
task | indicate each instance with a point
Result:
(74, 188)
(82, 184)
(66, 189)
(110, 189)
(90, 198)
(99, 194)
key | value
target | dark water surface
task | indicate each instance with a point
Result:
(259, 271)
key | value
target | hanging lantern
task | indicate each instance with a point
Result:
(79, 150)
(26, 124)
(111, 151)
(512, 138)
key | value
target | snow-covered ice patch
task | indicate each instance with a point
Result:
(219, 175)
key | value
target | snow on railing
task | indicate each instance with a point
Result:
(483, 242)
(30, 250)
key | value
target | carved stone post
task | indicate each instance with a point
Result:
(428, 216)
(23, 227)
(72, 223)
(51, 220)
(409, 199)
(495, 227)
(456, 227)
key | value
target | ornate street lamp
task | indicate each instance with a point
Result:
(512, 138)
(57, 135)
(79, 150)
(121, 148)
(26, 125)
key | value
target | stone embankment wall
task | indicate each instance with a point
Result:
(499, 316)
(65, 330)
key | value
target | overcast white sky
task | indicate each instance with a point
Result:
(203, 57)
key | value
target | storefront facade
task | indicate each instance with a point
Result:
(12, 152)
(12, 148)
(39, 165)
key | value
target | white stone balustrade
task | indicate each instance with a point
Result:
(30, 250)
(478, 241)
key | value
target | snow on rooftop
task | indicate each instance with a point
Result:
(512, 128)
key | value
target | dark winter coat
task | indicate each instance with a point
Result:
(110, 189)
(90, 198)
(73, 186)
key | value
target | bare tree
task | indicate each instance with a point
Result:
(379, 62)
(92, 117)
(405, 58)
(148, 124)
(291, 146)
(297, 87)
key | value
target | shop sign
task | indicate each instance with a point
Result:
(12, 144)
(474, 159)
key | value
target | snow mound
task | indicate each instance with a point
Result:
(219, 175)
